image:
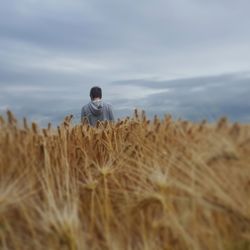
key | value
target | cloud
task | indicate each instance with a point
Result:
(197, 98)
(159, 39)
(185, 57)
(132, 92)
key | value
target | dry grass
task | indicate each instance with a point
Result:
(136, 184)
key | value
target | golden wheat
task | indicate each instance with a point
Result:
(135, 184)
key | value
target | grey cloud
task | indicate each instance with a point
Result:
(199, 98)
(194, 99)
(111, 24)
(51, 52)
(202, 81)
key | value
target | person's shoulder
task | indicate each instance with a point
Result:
(85, 108)
(108, 105)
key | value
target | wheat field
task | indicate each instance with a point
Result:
(136, 184)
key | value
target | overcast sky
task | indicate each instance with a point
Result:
(189, 58)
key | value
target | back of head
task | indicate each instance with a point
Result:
(95, 92)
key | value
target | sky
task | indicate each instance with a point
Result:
(188, 58)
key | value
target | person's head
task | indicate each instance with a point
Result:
(95, 92)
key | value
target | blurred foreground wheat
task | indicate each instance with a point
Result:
(136, 184)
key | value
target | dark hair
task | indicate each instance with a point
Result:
(95, 92)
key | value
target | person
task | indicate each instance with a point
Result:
(96, 109)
